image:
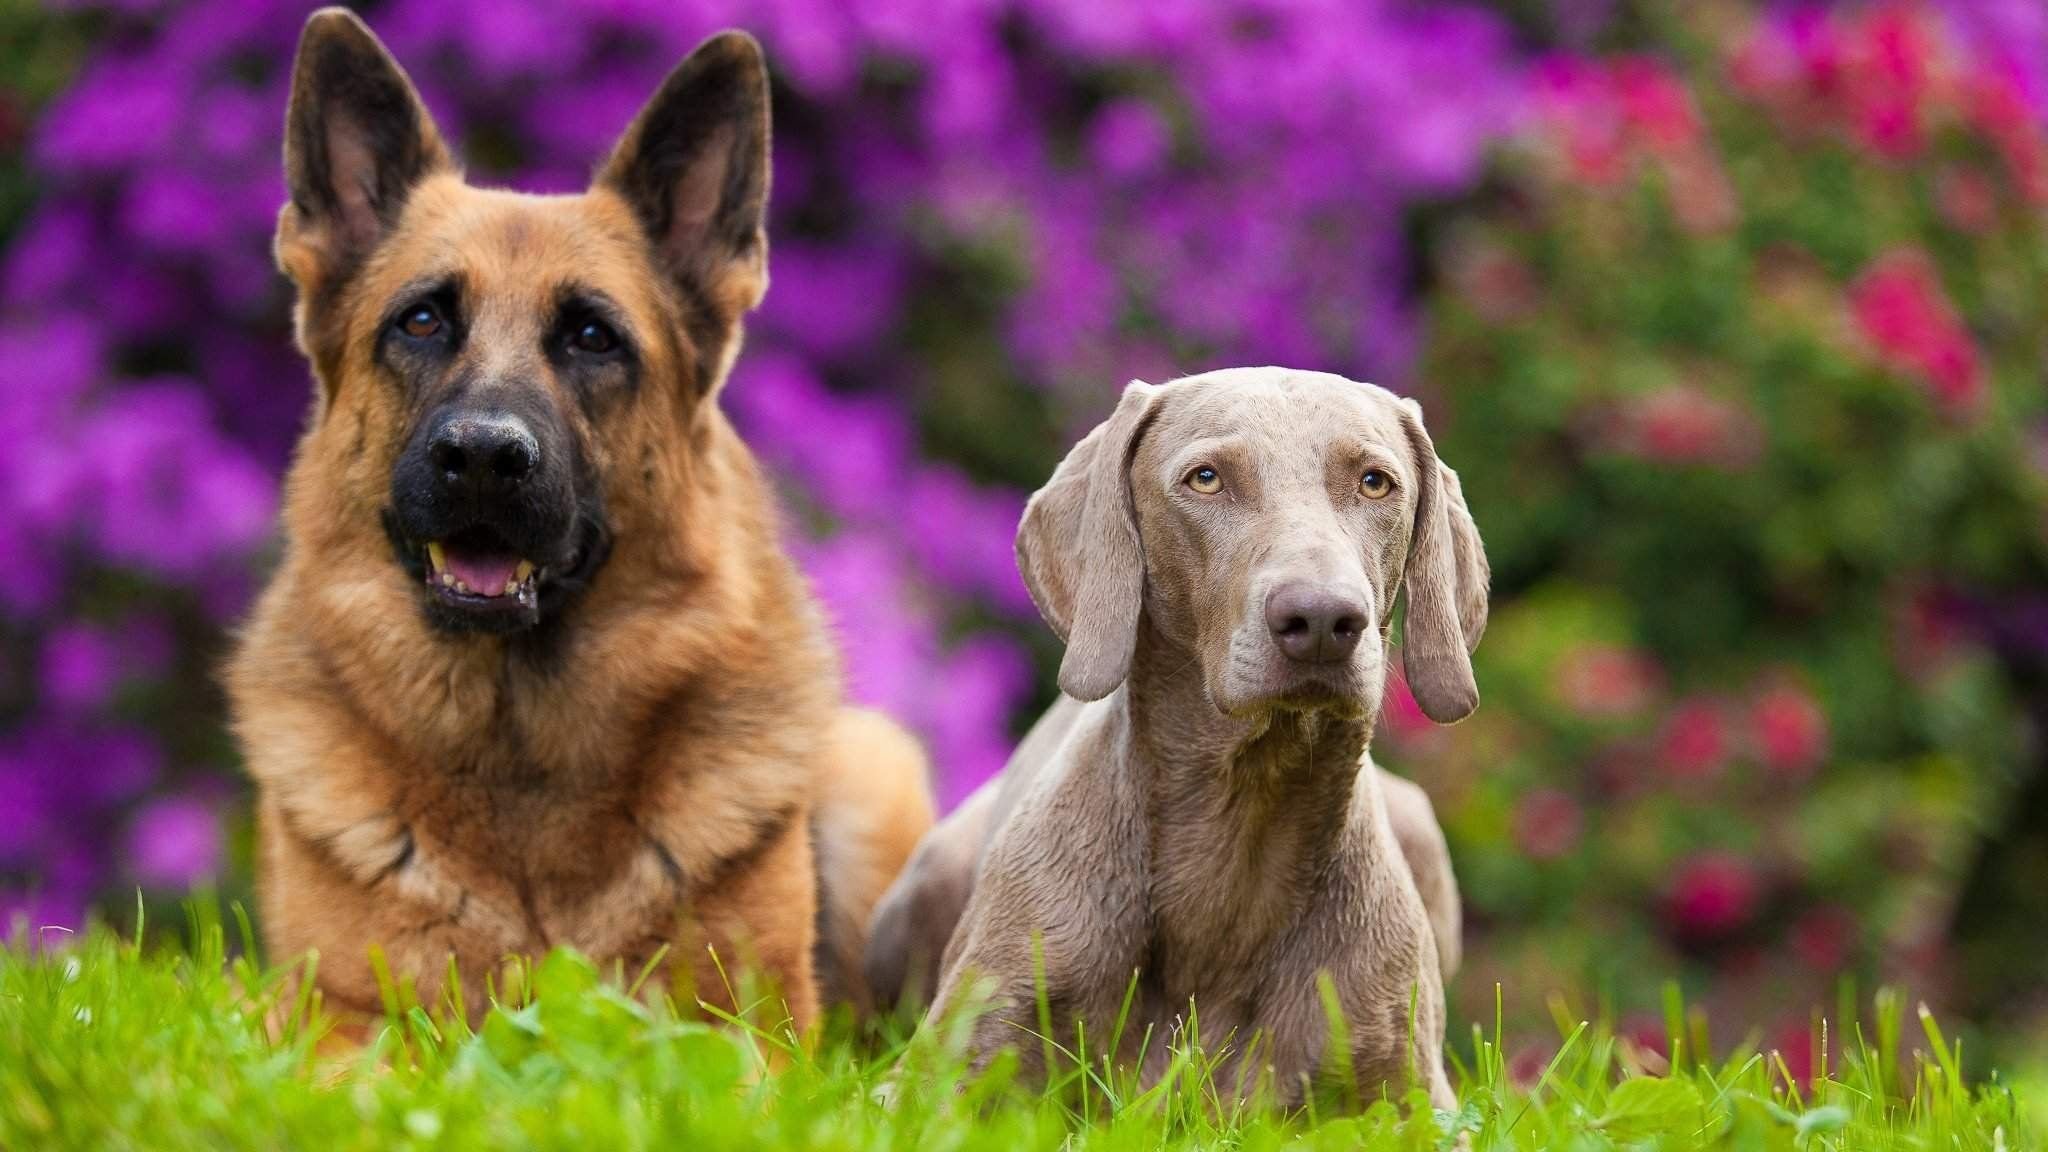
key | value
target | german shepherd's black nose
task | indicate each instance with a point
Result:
(478, 457)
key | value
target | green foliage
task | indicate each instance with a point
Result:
(105, 1045)
(1749, 411)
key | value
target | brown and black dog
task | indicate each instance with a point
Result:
(534, 670)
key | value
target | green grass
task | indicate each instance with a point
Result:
(104, 1044)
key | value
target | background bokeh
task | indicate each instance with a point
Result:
(1733, 321)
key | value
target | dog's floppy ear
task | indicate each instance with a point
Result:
(1079, 552)
(1446, 582)
(357, 139)
(694, 167)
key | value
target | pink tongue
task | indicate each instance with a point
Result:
(486, 575)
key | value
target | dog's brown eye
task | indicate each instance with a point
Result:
(595, 338)
(1375, 484)
(1205, 480)
(421, 322)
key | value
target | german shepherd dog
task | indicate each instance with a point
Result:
(533, 670)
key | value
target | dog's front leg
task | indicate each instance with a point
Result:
(762, 918)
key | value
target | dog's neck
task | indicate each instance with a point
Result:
(1246, 815)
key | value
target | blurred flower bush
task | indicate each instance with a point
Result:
(1740, 358)
(986, 216)
(1741, 361)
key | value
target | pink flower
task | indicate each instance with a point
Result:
(1794, 62)
(1684, 425)
(1894, 57)
(1647, 1033)
(1967, 199)
(1497, 283)
(1693, 743)
(1712, 896)
(1928, 627)
(1577, 102)
(1789, 729)
(1879, 77)
(1597, 681)
(1995, 106)
(1701, 196)
(1400, 716)
(1901, 308)
(1793, 1040)
(1824, 938)
(1548, 824)
(1609, 116)
(1528, 1063)
(1621, 769)
(1655, 103)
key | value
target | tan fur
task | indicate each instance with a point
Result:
(881, 818)
(654, 776)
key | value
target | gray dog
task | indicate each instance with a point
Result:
(1221, 558)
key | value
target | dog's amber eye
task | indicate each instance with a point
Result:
(421, 322)
(1375, 484)
(1205, 480)
(595, 338)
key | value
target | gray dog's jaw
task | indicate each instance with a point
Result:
(1280, 737)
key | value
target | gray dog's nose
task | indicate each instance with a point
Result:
(1314, 625)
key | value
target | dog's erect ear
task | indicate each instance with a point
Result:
(356, 141)
(1446, 582)
(1079, 552)
(694, 166)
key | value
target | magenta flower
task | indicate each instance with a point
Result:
(1893, 65)
(1693, 743)
(1401, 716)
(1602, 682)
(1825, 938)
(1788, 729)
(1793, 1041)
(1685, 425)
(1548, 824)
(1655, 104)
(1901, 308)
(1711, 896)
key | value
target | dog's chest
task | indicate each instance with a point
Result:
(540, 849)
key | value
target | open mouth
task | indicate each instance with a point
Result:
(478, 579)
(476, 570)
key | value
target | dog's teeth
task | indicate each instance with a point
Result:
(462, 587)
(448, 579)
(434, 554)
(519, 576)
(511, 587)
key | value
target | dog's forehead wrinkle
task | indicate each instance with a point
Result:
(526, 246)
(1285, 420)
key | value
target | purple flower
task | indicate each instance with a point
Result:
(168, 495)
(1062, 192)
(1129, 139)
(80, 668)
(174, 843)
(120, 113)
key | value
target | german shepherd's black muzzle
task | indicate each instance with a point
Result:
(488, 517)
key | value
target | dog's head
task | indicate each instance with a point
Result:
(500, 373)
(1262, 519)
